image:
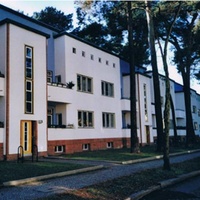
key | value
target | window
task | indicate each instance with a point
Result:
(195, 126)
(59, 149)
(108, 120)
(74, 50)
(92, 57)
(29, 96)
(99, 60)
(145, 103)
(58, 79)
(110, 145)
(29, 62)
(83, 53)
(107, 63)
(194, 109)
(84, 84)
(162, 101)
(113, 65)
(49, 76)
(28, 79)
(59, 119)
(86, 147)
(85, 119)
(107, 89)
(199, 112)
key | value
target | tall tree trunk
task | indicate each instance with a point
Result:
(134, 138)
(175, 141)
(166, 164)
(190, 135)
(156, 84)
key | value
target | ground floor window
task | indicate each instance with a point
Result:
(59, 149)
(86, 147)
(109, 145)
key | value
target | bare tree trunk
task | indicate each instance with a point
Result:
(134, 138)
(156, 84)
(166, 165)
(175, 140)
(190, 135)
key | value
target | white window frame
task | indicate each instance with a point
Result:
(107, 89)
(109, 145)
(28, 79)
(108, 120)
(49, 76)
(84, 83)
(86, 147)
(85, 119)
(57, 149)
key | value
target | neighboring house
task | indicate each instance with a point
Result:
(23, 102)
(180, 110)
(61, 94)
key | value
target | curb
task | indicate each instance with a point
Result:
(162, 184)
(50, 176)
(158, 157)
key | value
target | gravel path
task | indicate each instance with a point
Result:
(49, 187)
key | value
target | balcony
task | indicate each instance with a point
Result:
(125, 104)
(180, 114)
(2, 85)
(60, 126)
(58, 92)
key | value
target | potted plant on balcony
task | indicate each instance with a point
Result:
(70, 84)
(70, 125)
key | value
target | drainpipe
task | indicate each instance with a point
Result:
(7, 91)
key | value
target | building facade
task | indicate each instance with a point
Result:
(60, 94)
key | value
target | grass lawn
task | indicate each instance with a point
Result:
(122, 188)
(15, 171)
(123, 154)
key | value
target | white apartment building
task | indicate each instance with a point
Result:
(60, 94)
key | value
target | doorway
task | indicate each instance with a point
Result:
(147, 134)
(28, 136)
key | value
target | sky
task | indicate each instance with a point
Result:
(68, 7)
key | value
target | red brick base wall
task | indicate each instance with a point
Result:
(1, 151)
(72, 146)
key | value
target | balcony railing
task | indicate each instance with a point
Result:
(57, 84)
(60, 126)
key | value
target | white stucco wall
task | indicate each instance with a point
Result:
(142, 80)
(95, 102)
(18, 39)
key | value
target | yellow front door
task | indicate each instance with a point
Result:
(26, 136)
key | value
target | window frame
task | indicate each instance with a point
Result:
(107, 89)
(108, 120)
(28, 93)
(49, 76)
(56, 149)
(85, 119)
(84, 84)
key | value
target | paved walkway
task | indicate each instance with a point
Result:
(44, 188)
